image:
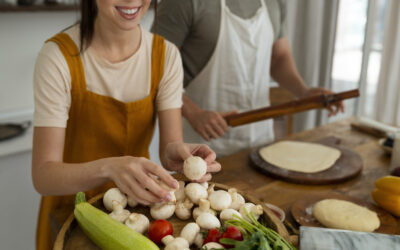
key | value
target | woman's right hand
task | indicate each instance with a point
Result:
(209, 124)
(136, 176)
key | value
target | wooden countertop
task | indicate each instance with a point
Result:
(237, 172)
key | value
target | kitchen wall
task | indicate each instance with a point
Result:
(22, 35)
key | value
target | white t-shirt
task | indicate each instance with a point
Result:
(126, 81)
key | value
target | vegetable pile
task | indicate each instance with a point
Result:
(222, 219)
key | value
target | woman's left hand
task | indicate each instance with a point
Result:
(332, 108)
(177, 152)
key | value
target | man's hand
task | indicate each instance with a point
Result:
(333, 108)
(209, 124)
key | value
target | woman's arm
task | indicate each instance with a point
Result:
(133, 175)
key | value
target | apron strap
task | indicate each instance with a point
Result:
(157, 62)
(72, 56)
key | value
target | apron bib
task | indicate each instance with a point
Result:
(100, 126)
(236, 77)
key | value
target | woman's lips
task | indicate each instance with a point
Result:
(128, 13)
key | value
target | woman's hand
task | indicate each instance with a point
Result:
(136, 176)
(178, 152)
(332, 108)
(209, 124)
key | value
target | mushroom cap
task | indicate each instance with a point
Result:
(162, 212)
(114, 194)
(227, 214)
(208, 221)
(138, 222)
(220, 200)
(190, 231)
(195, 192)
(194, 168)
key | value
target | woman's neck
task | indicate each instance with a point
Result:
(114, 44)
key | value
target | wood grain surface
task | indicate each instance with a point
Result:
(348, 166)
(302, 212)
(71, 237)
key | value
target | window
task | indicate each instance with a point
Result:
(357, 55)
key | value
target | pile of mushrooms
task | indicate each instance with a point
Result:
(197, 200)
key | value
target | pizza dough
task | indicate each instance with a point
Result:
(300, 156)
(342, 214)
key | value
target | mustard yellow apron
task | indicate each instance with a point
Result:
(100, 126)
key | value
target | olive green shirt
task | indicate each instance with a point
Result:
(193, 26)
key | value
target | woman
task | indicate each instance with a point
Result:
(97, 86)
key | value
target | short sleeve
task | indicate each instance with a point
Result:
(174, 19)
(170, 90)
(283, 21)
(52, 87)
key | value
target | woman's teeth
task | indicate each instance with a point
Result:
(129, 11)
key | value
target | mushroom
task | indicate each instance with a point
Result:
(190, 231)
(237, 199)
(198, 240)
(227, 214)
(194, 168)
(132, 202)
(162, 211)
(172, 243)
(170, 190)
(204, 184)
(114, 194)
(195, 192)
(119, 213)
(219, 199)
(255, 210)
(208, 221)
(180, 192)
(212, 245)
(204, 207)
(138, 222)
(183, 209)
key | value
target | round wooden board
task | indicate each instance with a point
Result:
(71, 237)
(302, 212)
(348, 166)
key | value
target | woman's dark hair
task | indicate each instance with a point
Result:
(88, 16)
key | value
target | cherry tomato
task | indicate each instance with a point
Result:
(232, 232)
(158, 229)
(213, 235)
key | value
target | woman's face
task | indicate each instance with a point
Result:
(124, 14)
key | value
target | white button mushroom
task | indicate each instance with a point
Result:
(219, 199)
(212, 245)
(138, 222)
(183, 209)
(190, 231)
(237, 199)
(227, 214)
(114, 194)
(204, 207)
(255, 210)
(180, 192)
(198, 240)
(195, 192)
(208, 221)
(162, 211)
(172, 243)
(119, 213)
(194, 168)
(132, 202)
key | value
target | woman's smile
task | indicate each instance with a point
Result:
(128, 13)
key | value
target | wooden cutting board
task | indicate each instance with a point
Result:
(302, 212)
(348, 166)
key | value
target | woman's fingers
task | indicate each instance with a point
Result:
(214, 167)
(164, 176)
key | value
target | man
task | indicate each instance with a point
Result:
(230, 48)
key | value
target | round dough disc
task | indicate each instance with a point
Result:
(300, 156)
(346, 215)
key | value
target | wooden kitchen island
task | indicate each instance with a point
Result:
(237, 172)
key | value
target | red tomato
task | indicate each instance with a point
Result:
(213, 235)
(232, 232)
(158, 229)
